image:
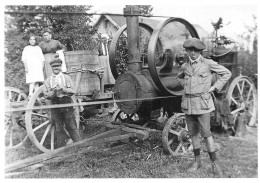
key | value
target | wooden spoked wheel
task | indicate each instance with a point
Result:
(175, 138)
(242, 97)
(38, 123)
(120, 117)
(14, 94)
(15, 132)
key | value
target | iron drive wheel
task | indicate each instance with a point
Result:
(242, 97)
(175, 138)
(38, 123)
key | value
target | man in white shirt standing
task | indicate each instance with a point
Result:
(108, 78)
(103, 47)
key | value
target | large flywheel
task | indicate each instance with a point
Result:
(172, 33)
(118, 53)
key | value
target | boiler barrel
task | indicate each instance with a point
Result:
(130, 86)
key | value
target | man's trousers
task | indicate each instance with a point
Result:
(64, 117)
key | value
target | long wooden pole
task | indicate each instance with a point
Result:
(85, 103)
(61, 151)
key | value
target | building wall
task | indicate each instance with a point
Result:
(106, 27)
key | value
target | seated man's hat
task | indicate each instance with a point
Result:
(56, 61)
(194, 43)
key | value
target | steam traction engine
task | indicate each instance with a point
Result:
(154, 79)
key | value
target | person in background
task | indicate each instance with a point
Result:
(33, 60)
(197, 103)
(103, 47)
(49, 47)
(107, 79)
(58, 88)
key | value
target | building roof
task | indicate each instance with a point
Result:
(119, 21)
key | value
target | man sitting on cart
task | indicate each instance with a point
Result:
(59, 88)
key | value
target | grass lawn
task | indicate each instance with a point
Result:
(238, 158)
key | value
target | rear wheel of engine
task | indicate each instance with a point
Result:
(242, 97)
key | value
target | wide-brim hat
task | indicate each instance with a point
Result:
(56, 61)
(194, 43)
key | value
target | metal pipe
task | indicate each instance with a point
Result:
(134, 63)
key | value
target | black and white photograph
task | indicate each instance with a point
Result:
(98, 89)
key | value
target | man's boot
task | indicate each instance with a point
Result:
(217, 172)
(197, 164)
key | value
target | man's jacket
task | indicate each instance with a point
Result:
(67, 84)
(197, 82)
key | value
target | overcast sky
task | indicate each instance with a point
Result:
(237, 14)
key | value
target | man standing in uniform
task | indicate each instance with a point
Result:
(197, 103)
(59, 88)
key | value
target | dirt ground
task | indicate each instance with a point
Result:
(238, 158)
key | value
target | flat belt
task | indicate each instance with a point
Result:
(192, 95)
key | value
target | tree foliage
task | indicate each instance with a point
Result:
(72, 30)
(247, 59)
(122, 47)
(146, 10)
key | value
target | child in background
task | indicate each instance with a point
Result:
(33, 60)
